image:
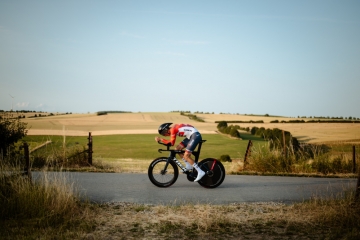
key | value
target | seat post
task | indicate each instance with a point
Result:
(197, 153)
(200, 144)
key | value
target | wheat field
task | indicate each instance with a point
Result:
(148, 122)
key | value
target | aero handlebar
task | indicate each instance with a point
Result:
(168, 148)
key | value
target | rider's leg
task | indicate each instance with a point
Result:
(181, 146)
(188, 158)
(188, 166)
(194, 140)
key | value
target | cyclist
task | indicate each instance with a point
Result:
(192, 138)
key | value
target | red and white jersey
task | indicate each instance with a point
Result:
(181, 130)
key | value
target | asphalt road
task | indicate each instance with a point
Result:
(137, 188)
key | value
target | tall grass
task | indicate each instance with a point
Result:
(338, 215)
(309, 159)
(28, 207)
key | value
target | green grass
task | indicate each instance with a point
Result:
(143, 146)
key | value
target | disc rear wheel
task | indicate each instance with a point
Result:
(214, 173)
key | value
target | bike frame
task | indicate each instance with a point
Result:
(172, 156)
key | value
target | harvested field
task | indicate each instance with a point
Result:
(147, 123)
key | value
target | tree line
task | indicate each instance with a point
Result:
(274, 136)
(230, 130)
(315, 121)
(106, 112)
(192, 116)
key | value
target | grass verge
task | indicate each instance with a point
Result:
(45, 209)
(316, 219)
(40, 209)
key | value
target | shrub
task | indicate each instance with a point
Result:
(11, 131)
(227, 130)
(234, 133)
(225, 158)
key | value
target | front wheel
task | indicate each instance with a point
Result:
(162, 174)
(215, 173)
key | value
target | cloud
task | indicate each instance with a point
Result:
(22, 105)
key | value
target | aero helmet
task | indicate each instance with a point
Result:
(164, 127)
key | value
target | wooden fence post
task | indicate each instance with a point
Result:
(27, 170)
(354, 160)
(357, 192)
(90, 149)
(247, 153)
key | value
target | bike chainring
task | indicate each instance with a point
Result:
(191, 176)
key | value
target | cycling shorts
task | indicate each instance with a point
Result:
(190, 144)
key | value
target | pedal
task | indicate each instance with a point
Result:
(190, 177)
(193, 174)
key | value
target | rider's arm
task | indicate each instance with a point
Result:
(173, 132)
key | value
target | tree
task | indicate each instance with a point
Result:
(254, 130)
(222, 124)
(11, 131)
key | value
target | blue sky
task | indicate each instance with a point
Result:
(289, 58)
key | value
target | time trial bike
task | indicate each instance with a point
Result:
(163, 171)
